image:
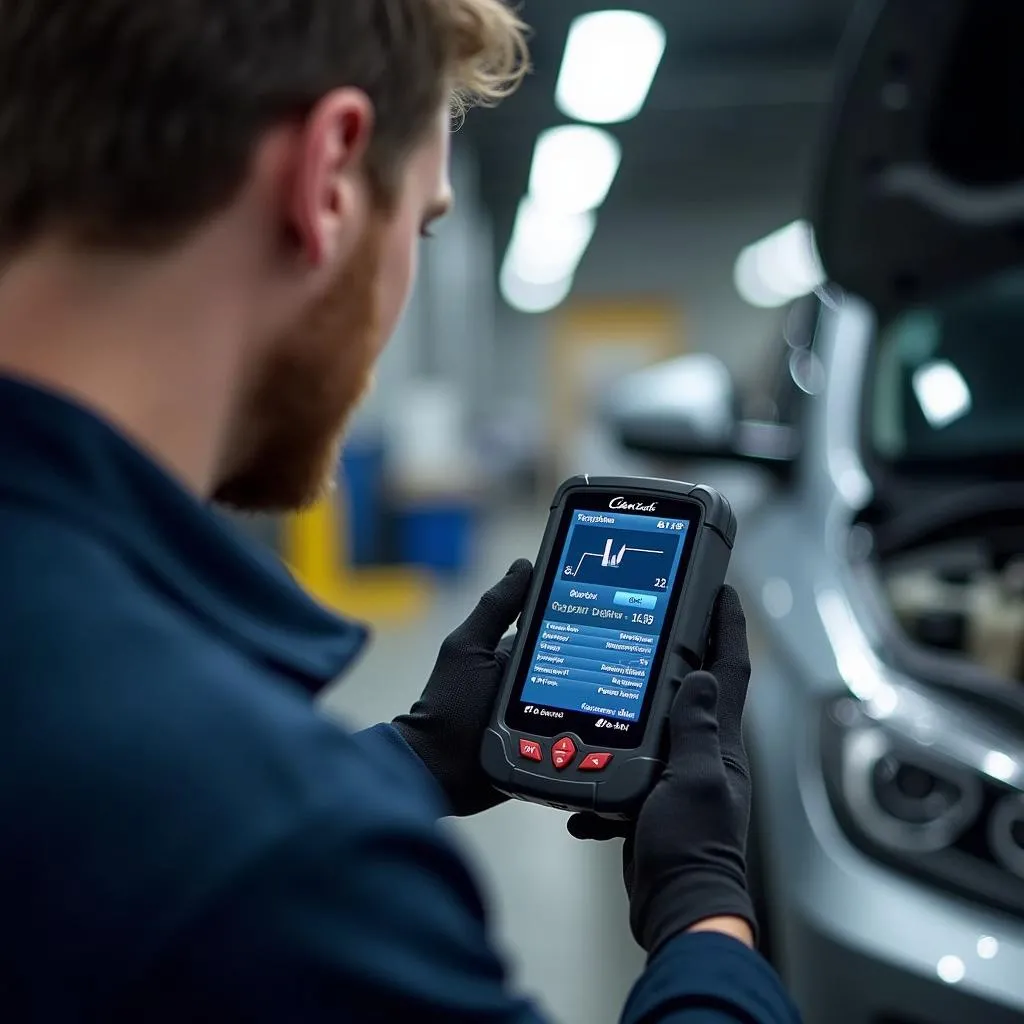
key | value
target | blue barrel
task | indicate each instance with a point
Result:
(362, 471)
(438, 535)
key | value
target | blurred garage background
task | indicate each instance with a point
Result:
(642, 197)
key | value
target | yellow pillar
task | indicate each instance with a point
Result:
(314, 548)
(593, 343)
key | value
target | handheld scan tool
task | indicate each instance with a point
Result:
(618, 613)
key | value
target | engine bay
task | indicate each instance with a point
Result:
(964, 597)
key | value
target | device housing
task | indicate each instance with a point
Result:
(618, 788)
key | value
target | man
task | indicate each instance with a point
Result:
(209, 213)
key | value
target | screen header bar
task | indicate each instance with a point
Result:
(630, 521)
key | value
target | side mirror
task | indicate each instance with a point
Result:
(688, 409)
(685, 407)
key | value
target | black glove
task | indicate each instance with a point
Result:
(685, 858)
(446, 725)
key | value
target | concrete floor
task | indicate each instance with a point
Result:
(559, 910)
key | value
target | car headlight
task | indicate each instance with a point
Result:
(904, 797)
(919, 778)
(930, 786)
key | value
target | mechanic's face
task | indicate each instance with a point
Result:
(320, 368)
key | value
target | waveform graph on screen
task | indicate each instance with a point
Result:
(634, 559)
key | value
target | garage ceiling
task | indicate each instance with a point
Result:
(733, 114)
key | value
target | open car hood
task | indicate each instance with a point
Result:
(920, 186)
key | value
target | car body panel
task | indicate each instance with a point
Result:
(858, 941)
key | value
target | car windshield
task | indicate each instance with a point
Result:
(948, 386)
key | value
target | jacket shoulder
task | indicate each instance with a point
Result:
(151, 757)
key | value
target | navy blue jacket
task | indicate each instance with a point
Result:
(185, 837)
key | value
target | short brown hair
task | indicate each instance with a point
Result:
(128, 122)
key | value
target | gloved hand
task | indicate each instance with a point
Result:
(685, 858)
(446, 725)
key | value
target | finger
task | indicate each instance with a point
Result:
(729, 662)
(497, 609)
(503, 652)
(693, 727)
(592, 826)
(727, 651)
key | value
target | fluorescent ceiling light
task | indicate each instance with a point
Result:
(942, 393)
(547, 245)
(780, 267)
(574, 167)
(611, 58)
(529, 297)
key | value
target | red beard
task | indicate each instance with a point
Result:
(289, 435)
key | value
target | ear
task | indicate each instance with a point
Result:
(329, 191)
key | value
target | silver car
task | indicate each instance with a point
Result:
(878, 477)
(881, 561)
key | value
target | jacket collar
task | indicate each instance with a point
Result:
(61, 459)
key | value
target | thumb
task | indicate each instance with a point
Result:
(693, 725)
(728, 661)
(498, 608)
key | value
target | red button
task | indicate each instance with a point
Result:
(594, 762)
(530, 749)
(562, 753)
